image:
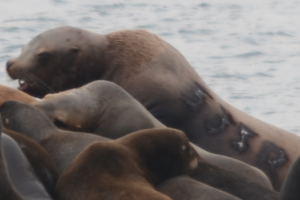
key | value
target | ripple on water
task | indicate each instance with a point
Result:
(249, 54)
(196, 32)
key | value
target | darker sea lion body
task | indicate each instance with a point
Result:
(62, 146)
(290, 189)
(160, 78)
(125, 169)
(184, 187)
(18, 180)
(231, 182)
(39, 159)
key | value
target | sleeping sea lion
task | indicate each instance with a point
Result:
(108, 111)
(62, 146)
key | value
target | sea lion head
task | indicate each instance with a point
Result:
(163, 152)
(57, 51)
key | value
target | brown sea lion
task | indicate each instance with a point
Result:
(7, 93)
(158, 76)
(39, 159)
(129, 167)
(111, 112)
(184, 187)
(108, 111)
(62, 146)
(106, 171)
(17, 178)
(161, 154)
(201, 170)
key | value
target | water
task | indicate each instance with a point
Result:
(247, 52)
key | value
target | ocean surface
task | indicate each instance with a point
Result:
(248, 52)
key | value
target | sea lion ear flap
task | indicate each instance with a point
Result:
(75, 49)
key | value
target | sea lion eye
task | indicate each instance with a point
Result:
(43, 55)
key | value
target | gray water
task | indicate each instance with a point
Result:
(247, 52)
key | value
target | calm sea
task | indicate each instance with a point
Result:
(248, 52)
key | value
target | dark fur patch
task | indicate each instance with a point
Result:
(271, 157)
(242, 144)
(194, 97)
(219, 124)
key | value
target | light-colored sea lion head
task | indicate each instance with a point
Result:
(82, 108)
(58, 51)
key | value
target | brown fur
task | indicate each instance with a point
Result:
(7, 93)
(106, 171)
(129, 167)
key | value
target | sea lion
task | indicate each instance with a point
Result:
(39, 159)
(18, 180)
(164, 145)
(108, 172)
(62, 146)
(108, 111)
(291, 185)
(159, 77)
(129, 167)
(231, 182)
(184, 187)
(109, 104)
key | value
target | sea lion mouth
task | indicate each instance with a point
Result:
(23, 85)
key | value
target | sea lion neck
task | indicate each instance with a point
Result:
(26, 119)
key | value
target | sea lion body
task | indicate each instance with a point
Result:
(62, 146)
(111, 112)
(108, 111)
(115, 175)
(129, 167)
(20, 176)
(236, 166)
(184, 187)
(160, 78)
(39, 159)
(290, 187)
(231, 182)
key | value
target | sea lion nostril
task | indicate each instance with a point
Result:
(8, 64)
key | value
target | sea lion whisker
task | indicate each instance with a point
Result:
(44, 86)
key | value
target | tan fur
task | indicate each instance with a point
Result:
(131, 50)
(7, 93)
